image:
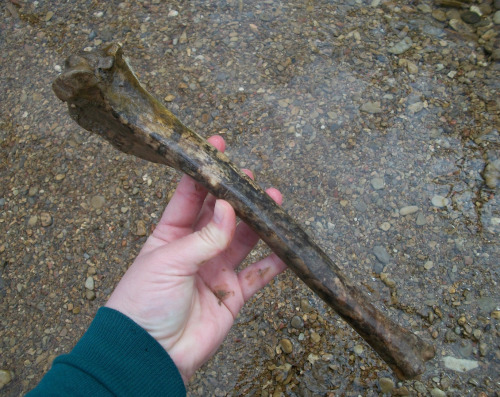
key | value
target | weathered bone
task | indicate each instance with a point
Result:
(105, 97)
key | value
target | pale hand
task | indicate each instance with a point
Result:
(183, 288)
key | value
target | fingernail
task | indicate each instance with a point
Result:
(218, 212)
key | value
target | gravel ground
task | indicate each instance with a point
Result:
(377, 120)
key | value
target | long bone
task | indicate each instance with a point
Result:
(104, 96)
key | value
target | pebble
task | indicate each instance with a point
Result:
(305, 306)
(415, 107)
(421, 219)
(377, 183)
(140, 228)
(459, 364)
(45, 219)
(385, 226)
(5, 377)
(387, 280)
(286, 345)
(437, 393)
(381, 254)
(439, 15)
(371, 107)
(460, 26)
(439, 201)
(496, 18)
(491, 174)
(470, 17)
(386, 385)
(297, 322)
(358, 349)
(49, 16)
(97, 202)
(401, 47)
(408, 210)
(315, 337)
(89, 283)
(33, 220)
(429, 265)
(169, 98)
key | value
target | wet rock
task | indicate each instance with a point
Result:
(381, 254)
(458, 364)
(386, 385)
(421, 219)
(371, 107)
(401, 47)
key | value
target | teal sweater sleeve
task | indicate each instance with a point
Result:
(115, 357)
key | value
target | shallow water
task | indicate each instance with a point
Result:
(309, 96)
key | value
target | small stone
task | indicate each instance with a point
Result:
(377, 183)
(97, 202)
(439, 15)
(49, 16)
(429, 265)
(305, 306)
(460, 26)
(172, 13)
(33, 220)
(439, 201)
(286, 345)
(140, 229)
(45, 219)
(5, 377)
(386, 385)
(458, 364)
(90, 295)
(169, 98)
(358, 349)
(496, 18)
(420, 387)
(60, 177)
(297, 322)
(371, 107)
(387, 280)
(470, 17)
(437, 393)
(385, 226)
(315, 337)
(421, 219)
(401, 47)
(425, 8)
(33, 190)
(183, 38)
(89, 283)
(415, 107)
(381, 254)
(408, 210)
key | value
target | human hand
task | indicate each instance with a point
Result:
(183, 287)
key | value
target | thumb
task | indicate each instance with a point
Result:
(188, 253)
